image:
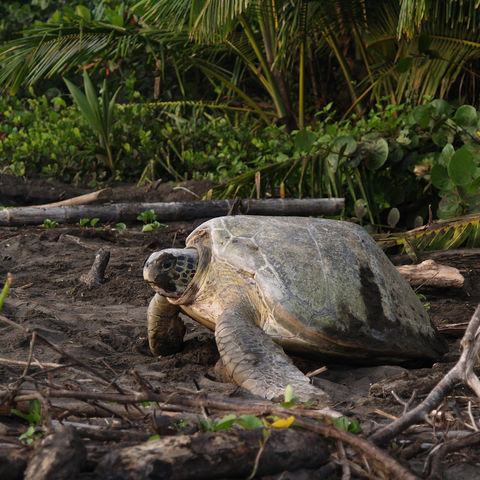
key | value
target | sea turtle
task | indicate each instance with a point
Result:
(315, 287)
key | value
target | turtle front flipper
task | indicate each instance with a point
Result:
(165, 329)
(255, 361)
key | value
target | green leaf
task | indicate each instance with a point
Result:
(83, 12)
(153, 437)
(422, 115)
(442, 107)
(304, 140)
(466, 116)
(446, 155)
(461, 167)
(226, 422)
(379, 154)
(344, 145)
(288, 393)
(443, 136)
(439, 177)
(449, 206)
(249, 421)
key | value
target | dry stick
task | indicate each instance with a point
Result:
(35, 363)
(391, 466)
(462, 371)
(447, 447)
(61, 352)
(187, 399)
(256, 408)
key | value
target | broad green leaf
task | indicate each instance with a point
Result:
(226, 422)
(439, 177)
(449, 206)
(249, 421)
(345, 145)
(422, 115)
(83, 12)
(461, 167)
(442, 107)
(443, 136)
(466, 116)
(446, 155)
(379, 154)
(304, 140)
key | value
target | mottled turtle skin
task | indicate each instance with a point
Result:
(266, 285)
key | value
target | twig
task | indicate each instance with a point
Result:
(343, 461)
(35, 363)
(57, 349)
(447, 447)
(406, 405)
(462, 371)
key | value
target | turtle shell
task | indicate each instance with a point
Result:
(325, 287)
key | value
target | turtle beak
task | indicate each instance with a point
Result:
(150, 268)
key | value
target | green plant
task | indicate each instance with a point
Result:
(98, 114)
(85, 222)
(34, 418)
(350, 426)
(150, 227)
(120, 226)
(147, 216)
(47, 223)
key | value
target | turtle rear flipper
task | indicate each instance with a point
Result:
(165, 329)
(256, 362)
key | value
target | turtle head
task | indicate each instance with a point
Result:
(170, 271)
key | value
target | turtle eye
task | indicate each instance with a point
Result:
(167, 263)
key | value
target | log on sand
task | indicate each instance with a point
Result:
(172, 211)
(222, 454)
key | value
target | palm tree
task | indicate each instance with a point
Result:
(378, 46)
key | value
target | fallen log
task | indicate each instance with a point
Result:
(60, 455)
(222, 454)
(172, 211)
(431, 274)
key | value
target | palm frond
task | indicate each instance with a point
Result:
(441, 235)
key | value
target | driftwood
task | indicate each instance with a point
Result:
(12, 463)
(462, 371)
(215, 455)
(431, 274)
(100, 195)
(60, 456)
(95, 276)
(172, 211)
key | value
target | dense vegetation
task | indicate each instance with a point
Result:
(374, 101)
